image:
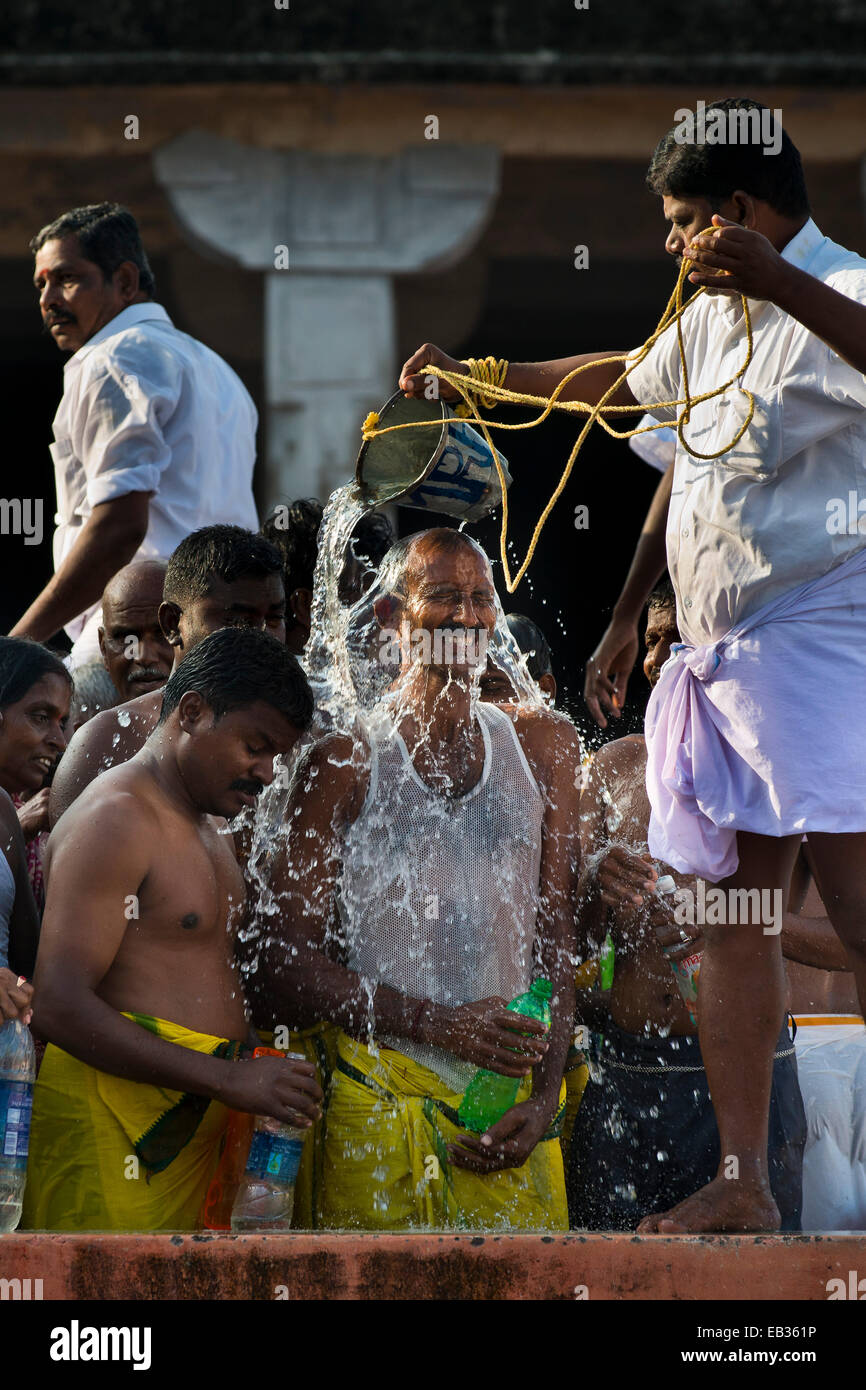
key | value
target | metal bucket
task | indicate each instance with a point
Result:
(450, 469)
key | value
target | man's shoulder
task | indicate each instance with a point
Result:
(627, 748)
(620, 754)
(111, 728)
(155, 349)
(116, 805)
(111, 737)
(840, 268)
(547, 733)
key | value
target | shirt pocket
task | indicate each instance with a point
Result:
(758, 453)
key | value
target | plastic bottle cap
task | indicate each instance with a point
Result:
(666, 884)
(542, 988)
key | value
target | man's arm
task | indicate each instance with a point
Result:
(109, 538)
(756, 269)
(529, 378)
(82, 932)
(612, 662)
(813, 941)
(296, 982)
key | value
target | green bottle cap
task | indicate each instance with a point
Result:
(541, 988)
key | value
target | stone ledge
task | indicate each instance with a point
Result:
(429, 1266)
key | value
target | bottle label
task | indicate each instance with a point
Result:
(16, 1104)
(274, 1156)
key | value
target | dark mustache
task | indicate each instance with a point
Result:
(48, 324)
(244, 785)
(150, 673)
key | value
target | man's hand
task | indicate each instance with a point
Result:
(608, 670)
(625, 877)
(753, 265)
(16, 997)
(670, 933)
(284, 1088)
(508, 1143)
(485, 1034)
(33, 814)
(413, 379)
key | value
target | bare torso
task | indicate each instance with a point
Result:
(644, 994)
(176, 958)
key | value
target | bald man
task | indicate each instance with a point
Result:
(135, 651)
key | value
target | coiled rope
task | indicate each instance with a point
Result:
(491, 394)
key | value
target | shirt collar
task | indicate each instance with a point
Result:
(127, 318)
(800, 251)
(804, 246)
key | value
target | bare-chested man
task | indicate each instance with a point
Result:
(646, 1132)
(136, 652)
(136, 986)
(220, 576)
(441, 839)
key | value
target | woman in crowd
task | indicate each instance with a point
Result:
(35, 695)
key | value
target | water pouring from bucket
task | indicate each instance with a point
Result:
(447, 468)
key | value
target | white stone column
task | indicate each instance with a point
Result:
(348, 224)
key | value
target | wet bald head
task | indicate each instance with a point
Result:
(410, 558)
(135, 651)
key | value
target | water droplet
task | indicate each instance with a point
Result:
(123, 718)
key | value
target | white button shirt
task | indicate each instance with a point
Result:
(758, 521)
(146, 408)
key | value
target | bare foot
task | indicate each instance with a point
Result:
(723, 1205)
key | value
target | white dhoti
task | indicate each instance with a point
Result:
(831, 1065)
(763, 730)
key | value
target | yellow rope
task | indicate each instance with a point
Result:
(495, 393)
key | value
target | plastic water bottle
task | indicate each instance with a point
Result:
(489, 1094)
(687, 972)
(266, 1196)
(17, 1075)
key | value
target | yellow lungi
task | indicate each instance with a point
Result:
(109, 1154)
(319, 1046)
(385, 1164)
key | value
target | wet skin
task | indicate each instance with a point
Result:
(115, 735)
(152, 929)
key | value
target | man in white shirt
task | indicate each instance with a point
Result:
(154, 436)
(749, 747)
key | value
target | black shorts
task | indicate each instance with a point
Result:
(645, 1136)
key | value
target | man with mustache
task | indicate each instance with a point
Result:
(220, 576)
(426, 873)
(135, 650)
(136, 984)
(154, 436)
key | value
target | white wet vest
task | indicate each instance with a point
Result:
(438, 896)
